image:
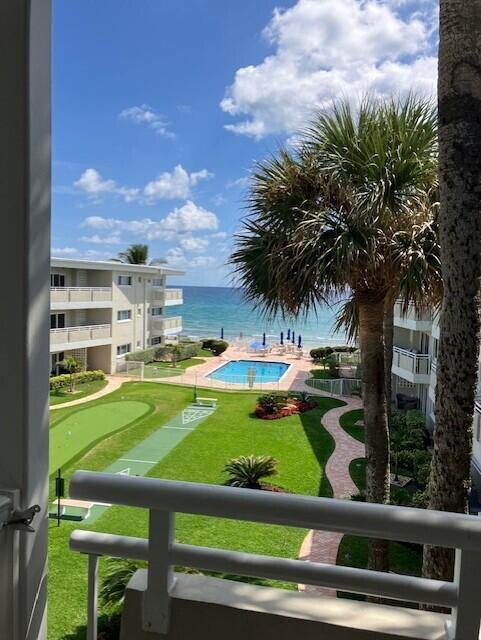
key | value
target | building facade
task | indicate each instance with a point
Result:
(102, 311)
(415, 350)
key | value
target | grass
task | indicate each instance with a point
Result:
(321, 374)
(348, 423)
(81, 391)
(299, 443)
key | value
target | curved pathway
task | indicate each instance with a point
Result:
(113, 383)
(322, 546)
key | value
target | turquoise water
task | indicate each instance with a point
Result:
(206, 310)
(240, 371)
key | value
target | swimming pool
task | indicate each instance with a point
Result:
(246, 371)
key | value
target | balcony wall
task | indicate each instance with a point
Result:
(412, 319)
(413, 367)
(167, 297)
(79, 337)
(166, 326)
(80, 297)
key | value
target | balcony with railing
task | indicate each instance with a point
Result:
(166, 326)
(167, 297)
(411, 366)
(80, 297)
(160, 603)
(79, 337)
(411, 318)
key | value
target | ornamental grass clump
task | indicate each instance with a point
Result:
(247, 471)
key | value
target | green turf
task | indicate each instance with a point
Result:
(81, 391)
(348, 423)
(75, 433)
(299, 442)
(322, 374)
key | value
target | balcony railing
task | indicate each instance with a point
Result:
(67, 295)
(168, 296)
(167, 325)
(415, 363)
(164, 498)
(80, 334)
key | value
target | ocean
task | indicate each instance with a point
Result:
(207, 310)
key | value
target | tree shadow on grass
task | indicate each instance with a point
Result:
(108, 626)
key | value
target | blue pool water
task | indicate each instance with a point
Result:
(239, 371)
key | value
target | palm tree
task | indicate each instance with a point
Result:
(71, 366)
(459, 112)
(334, 219)
(135, 254)
(247, 471)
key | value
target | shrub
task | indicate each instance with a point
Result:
(216, 346)
(117, 575)
(420, 499)
(320, 353)
(62, 381)
(146, 356)
(247, 471)
(400, 497)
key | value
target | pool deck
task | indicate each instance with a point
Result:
(293, 379)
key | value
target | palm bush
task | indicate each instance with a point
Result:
(247, 471)
(115, 580)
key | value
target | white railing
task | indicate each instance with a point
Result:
(164, 498)
(434, 365)
(418, 363)
(162, 323)
(477, 404)
(80, 294)
(80, 334)
(168, 295)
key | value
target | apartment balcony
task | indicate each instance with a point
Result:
(477, 404)
(80, 298)
(166, 326)
(161, 604)
(168, 297)
(80, 337)
(413, 367)
(412, 319)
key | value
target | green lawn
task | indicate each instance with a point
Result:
(81, 390)
(300, 444)
(321, 374)
(348, 423)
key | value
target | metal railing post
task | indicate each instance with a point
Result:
(465, 618)
(156, 605)
(93, 565)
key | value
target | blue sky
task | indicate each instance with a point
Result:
(161, 108)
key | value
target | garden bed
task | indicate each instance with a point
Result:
(283, 408)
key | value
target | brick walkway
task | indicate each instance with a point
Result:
(113, 383)
(322, 546)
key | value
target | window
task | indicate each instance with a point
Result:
(57, 280)
(125, 314)
(139, 311)
(156, 311)
(57, 320)
(122, 349)
(156, 282)
(138, 344)
(155, 340)
(124, 281)
(140, 279)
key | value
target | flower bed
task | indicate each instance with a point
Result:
(291, 407)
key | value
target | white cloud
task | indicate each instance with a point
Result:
(220, 234)
(114, 238)
(192, 243)
(188, 218)
(177, 258)
(146, 115)
(170, 185)
(174, 184)
(63, 251)
(326, 49)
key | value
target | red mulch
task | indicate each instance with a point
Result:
(295, 406)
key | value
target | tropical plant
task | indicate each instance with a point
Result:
(349, 213)
(175, 353)
(304, 396)
(247, 471)
(216, 346)
(72, 366)
(115, 580)
(459, 112)
(135, 254)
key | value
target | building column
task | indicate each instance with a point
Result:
(24, 322)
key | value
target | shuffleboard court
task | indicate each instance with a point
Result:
(73, 434)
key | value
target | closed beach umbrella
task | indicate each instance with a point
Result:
(293, 338)
(299, 341)
(222, 333)
(288, 335)
(282, 338)
(263, 339)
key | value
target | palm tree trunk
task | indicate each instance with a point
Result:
(371, 314)
(459, 114)
(388, 346)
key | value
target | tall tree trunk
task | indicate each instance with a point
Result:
(388, 345)
(371, 314)
(459, 92)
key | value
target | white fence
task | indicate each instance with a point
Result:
(416, 363)
(164, 498)
(337, 386)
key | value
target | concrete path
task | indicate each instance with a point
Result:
(113, 383)
(322, 546)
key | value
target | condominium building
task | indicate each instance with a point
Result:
(102, 311)
(415, 350)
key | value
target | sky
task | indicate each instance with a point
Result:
(161, 108)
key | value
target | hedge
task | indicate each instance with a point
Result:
(145, 356)
(163, 353)
(320, 353)
(216, 346)
(59, 382)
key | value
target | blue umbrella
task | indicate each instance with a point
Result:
(263, 339)
(288, 335)
(222, 333)
(282, 338)
(299, 341)
(293, 338)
